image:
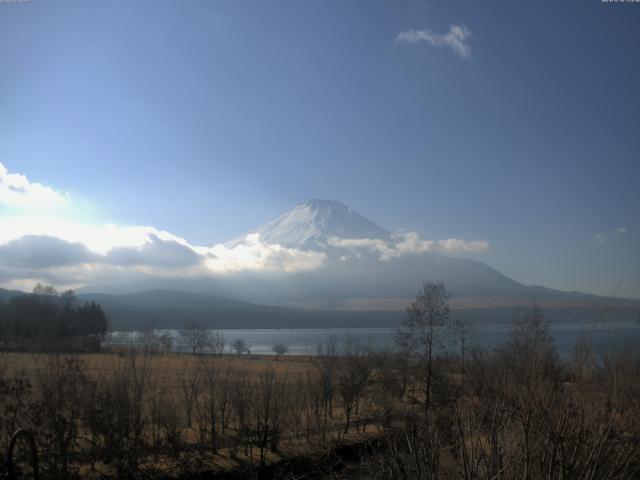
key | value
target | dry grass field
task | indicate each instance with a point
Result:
(186, 413)
(170, 367)
(511, 413)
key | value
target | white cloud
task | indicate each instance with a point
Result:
(385, 250)
(129, 246)
(602, 238)
(410, 243)
(38, 238)
(255, 254)
(451, 245)
(97, 238)
(40, 242)
(17, 191)
(456, 38)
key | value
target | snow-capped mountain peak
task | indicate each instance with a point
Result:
(311, 224)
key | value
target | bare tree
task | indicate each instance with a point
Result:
(280, 349)
(166, 343)
(212, 401)
(531, 352)
(425, 330)
(148, 340)
(242, 402)
(44, 291)
(270, 409)
(326, 362)
(354, 372)
(57, 408)
(217, 343)
(190, 387)
(116, 413)
(224, 395)
(196, 338)
(240, 346)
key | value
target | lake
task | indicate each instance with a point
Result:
(305, 341)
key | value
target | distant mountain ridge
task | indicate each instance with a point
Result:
(172, 309)
(6, 295)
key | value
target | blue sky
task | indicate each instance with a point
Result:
(208, 118)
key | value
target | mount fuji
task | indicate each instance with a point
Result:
(361, 275)
(370, 268)
(313, 224)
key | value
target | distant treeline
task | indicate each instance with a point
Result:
(45, 319)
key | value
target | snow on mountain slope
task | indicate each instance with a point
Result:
(310, 226)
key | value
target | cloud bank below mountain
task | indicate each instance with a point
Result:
(41, 242)
(410, 243)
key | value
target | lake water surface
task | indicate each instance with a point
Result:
(305, 341)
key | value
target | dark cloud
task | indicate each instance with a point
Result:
(157, 253)
(39, 253)
(36, 251)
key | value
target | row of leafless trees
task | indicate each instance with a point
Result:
(122, 414)
(192, 338)
(516, 412)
